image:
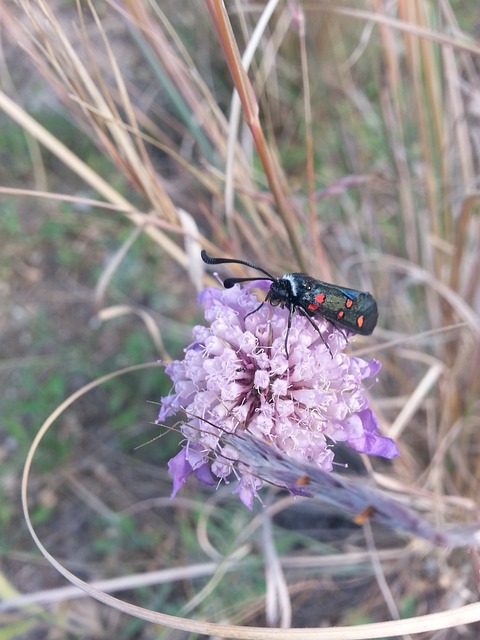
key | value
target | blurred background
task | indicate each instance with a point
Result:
(122, 154)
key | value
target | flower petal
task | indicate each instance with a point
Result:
(236, 377)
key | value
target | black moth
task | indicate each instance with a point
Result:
(347, 308)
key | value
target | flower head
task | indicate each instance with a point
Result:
(236, 377)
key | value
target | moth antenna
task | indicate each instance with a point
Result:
(209, 260)
(229, 282)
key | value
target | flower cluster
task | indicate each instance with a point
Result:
(237, 377)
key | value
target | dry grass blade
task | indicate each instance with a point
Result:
(247, 97)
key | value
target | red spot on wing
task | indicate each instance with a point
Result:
(340, 315)
(320, 298)
(360, 321)
(312, 307)
(349, 303)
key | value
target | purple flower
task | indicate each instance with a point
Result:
(235, 377)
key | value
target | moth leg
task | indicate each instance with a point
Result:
(289, 324)
(250, 313)
(315, 326)
(338, 328)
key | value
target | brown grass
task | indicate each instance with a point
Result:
(351, 152)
